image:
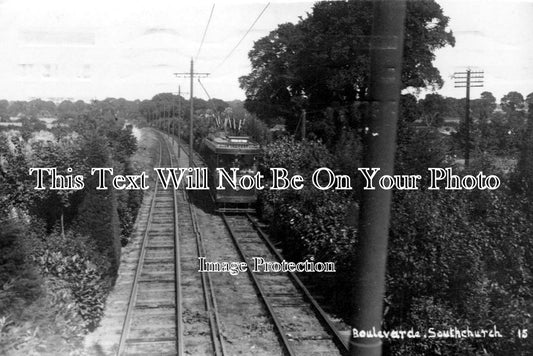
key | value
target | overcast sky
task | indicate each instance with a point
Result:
(96, 49)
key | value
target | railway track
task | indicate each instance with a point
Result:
(173, 309)
(152, 321)
(201, 327)
(302, 326)
(153, 308)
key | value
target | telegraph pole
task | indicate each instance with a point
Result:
(179, 120)
(468, 80)
(386, 47)
(191, 75)
(304, 118)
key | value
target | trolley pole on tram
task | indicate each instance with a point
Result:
(386, 47)
(192, 74)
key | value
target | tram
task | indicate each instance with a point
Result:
(223, 151)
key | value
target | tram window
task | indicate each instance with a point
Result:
(245, 163)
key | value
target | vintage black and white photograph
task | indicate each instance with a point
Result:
(311, 178)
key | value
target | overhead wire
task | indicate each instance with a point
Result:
(242, 38)
(205, 32)
(217, 116)
(202, 85)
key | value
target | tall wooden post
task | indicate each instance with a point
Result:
(386, 49)
(190, 122)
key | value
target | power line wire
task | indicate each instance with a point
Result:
(205, 32)
(217, 116)
(238, 43)
(205, 90)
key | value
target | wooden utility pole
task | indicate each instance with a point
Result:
(192, 74)
(386, 47)
(468, 80)
(304, 123)
(179, 121)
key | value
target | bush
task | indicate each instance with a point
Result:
(461, 259)
(257, 130)
(38, 311)
(20, 284)
(129, 202)
(456, 258)
(73, 259)
(49, 325)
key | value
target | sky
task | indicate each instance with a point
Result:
(83, 49)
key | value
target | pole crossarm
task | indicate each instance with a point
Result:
(187, 75)
(468, 79)
(191, 74)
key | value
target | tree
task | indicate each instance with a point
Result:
(52, 204)
(66, 109)
(39, 108)
(15, 183)
(433, 109)
(481, 109)
(16, 108)
(523, 176)
(325, 58)
(4, 104)
(529, 102)
(512, 101)
(409, 108)
(484, 106)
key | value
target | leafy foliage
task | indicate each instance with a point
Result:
(324, 59)
(54, 282)
(50, 204)
(73, 259)
(465, 257)
(257, 130)
(37, 314)
(19, 282)
(456, 259)
(310, 222)
(512, 101)
(15, 184)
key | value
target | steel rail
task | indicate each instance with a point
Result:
(208, 290)
(337, 338)
(277, 323)
(323, 317)
(133, 294)
(210, 300)
(177, 270)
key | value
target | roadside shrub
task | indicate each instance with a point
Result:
(19, 283)
(310, 222)
(50, 325)
(73, 259)
(461, 260)
(38, 312)
(257, 130)
(128, 204)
